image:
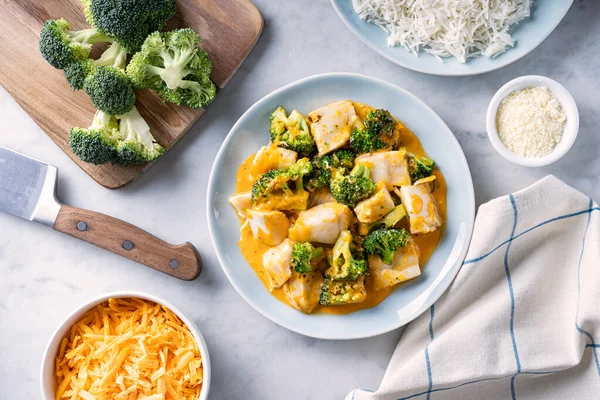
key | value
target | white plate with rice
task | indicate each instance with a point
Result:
(452, 37)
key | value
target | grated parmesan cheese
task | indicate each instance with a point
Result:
(446, 28)
(530, 121)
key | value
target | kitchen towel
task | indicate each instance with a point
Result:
(522, 318)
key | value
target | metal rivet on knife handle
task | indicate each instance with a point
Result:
(174, 264)
(128, 245)
(81, 226)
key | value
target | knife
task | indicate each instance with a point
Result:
(28, 190)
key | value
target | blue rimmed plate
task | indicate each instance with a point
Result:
(528, 34)
(412, 298)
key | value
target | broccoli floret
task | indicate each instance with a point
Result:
(318, 178)
(87, 4)
(125, 140)
(340, 159)
(172, 65)
(96, 144)
(380, 121)
(291, 132)
(280, 180)
(194, 92)
(384, 242)
(346, 264)
(342, 292)
(299, 169)
(304, 256)
(363, 141)
(70, 51)
(420, 167)
(110, 90)
(378, 133)
(129, 21)
(322, 167)
(136, 144)
(269, 182)
(60, 46)
(352, 188)
(76, 72)
(108, 87)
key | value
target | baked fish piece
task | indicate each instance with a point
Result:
(422, 210)
(276, 262)
(332, 125)
(303, 290)
(320, 196)
(321, 224)
(405, 266)
(388, 166)
(270, 227)
(376, 206)
(241, 202)
(272, 157)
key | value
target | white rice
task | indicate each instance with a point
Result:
(447, 28)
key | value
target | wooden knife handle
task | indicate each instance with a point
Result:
(121, 238)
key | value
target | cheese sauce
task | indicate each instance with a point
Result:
(253, 249)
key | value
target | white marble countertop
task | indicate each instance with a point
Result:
(45, 274)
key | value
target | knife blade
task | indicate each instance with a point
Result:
(28, 190)
(28, 187)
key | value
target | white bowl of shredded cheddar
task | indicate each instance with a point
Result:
(532, 121)
(126, 346)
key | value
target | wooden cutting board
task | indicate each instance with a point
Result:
(229, 28)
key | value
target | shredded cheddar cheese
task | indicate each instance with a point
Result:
(126, 349)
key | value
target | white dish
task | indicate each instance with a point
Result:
(48, 381)
(568, 104)
(545, 16)
(402, 305)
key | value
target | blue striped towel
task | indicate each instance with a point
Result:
(522, 318)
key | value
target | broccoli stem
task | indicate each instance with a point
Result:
(101, 120)
(133, 127)
(302, 125)
(89, 36)
(154, 70)
(175, 79)
(114, 56)
(299, 184)
(388, 254)
(194, 86)
(362, 171)
(174, 70)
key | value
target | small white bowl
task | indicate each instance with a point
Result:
(48, 381)
(569, 107)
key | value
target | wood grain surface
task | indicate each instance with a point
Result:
(229, 28)
(109, 233)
